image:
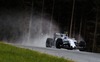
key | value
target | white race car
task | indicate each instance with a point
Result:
(61, 41)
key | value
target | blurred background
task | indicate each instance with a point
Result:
(25, 21)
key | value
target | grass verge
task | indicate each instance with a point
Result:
(9, 53)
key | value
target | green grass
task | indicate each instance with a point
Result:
(9, 53)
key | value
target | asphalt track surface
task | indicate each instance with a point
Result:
(75, 55)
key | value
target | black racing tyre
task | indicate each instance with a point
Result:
(49, 42)
(82, 46)
(59, 43)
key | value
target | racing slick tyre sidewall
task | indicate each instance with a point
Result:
(82, 45)
(59, 43)
(49, 42)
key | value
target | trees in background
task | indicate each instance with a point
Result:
(15, 17)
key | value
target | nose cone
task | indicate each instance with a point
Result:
(72, 43)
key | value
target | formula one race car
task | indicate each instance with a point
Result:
(61, 41)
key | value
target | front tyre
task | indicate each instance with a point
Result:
(59, 43)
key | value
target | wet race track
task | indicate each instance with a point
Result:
(75, 55)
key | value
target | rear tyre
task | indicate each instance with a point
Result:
(59, 43)
(82, 46)
(49, 42)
